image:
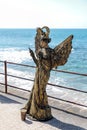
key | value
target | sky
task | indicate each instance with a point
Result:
(37, 13)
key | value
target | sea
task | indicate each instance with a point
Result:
(14, 47)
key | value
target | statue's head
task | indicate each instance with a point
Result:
(41, 40)
(43, 35)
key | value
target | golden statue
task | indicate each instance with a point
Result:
(45, 59)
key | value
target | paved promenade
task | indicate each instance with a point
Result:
(10, 118)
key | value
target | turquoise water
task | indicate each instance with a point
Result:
(14, 44)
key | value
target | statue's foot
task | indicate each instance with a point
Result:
(38, 119)
(41, 114)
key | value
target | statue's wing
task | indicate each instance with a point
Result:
(62, 51)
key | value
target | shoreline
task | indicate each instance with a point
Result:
(62, 94)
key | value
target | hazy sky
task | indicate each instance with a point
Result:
(37, 13)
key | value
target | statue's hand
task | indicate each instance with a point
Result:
(31, 52)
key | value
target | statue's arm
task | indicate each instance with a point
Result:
(33, 57)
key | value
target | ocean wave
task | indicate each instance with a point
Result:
(14, 55)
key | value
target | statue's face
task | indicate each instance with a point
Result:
(43, 44)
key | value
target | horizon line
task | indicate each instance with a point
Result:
(37, 27)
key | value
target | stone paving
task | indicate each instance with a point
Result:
(66, 117)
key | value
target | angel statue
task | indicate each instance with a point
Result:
(45, 59)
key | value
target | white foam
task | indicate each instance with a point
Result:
(20, 83)
(14, 55)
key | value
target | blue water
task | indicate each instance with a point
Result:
(14, 44)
